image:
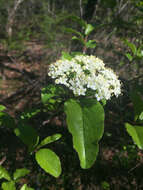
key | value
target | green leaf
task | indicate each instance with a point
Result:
(121, 63)
(89, 29)
(28, 135)
(75, 38)
(137, 103)
(141, 116)
(20, 173)
(79, 39)
(90, 44)
(66, 55)
(4, 174)
(49, 161)
(128, 55)
(131, 46)
(2, 107)
(52, 96)
(103, 102)
(78, 20)
(85, 120)
(49, 139)
(136, 132)
(105, 185)
(74, 53)
(70, 30)
(6, 120)
(140, 51)
(29, 113)
(8, 185)
(25, 187)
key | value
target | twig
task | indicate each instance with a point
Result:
(137, 165)
(121, 8)
(81, 8)
(136, 78)
(2, 160)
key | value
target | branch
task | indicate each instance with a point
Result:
(11, 17)
(122, 7)
(16, 5)
(81, 9)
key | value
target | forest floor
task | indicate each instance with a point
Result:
(119, 165)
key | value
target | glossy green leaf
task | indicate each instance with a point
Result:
(103, 102)
(131, 46)
(140, 51)
(25, 187)
(90, 44)
(74, 53)
(29, 113)
(4, 174)
(28, 135)
(105, 185)
(8, 185)
(136, 132)
(89, 29)
(79, 20)
(85, 120)
(6, 120)
(47, 93)
(121, 63)
(66, 55)
(52, 96)
(49, 139)
(79, 39)
(2, 107)
(49, 161)
(137, 103)
(128, 55)
(75, 38)
(70, 30)
(141, 116)
(20, 173)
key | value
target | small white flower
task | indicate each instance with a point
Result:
(84, 73)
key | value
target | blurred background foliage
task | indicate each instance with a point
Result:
(33, 33)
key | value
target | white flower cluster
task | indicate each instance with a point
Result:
(83, 74)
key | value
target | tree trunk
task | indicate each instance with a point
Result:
(11, 17)
(89, 10)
